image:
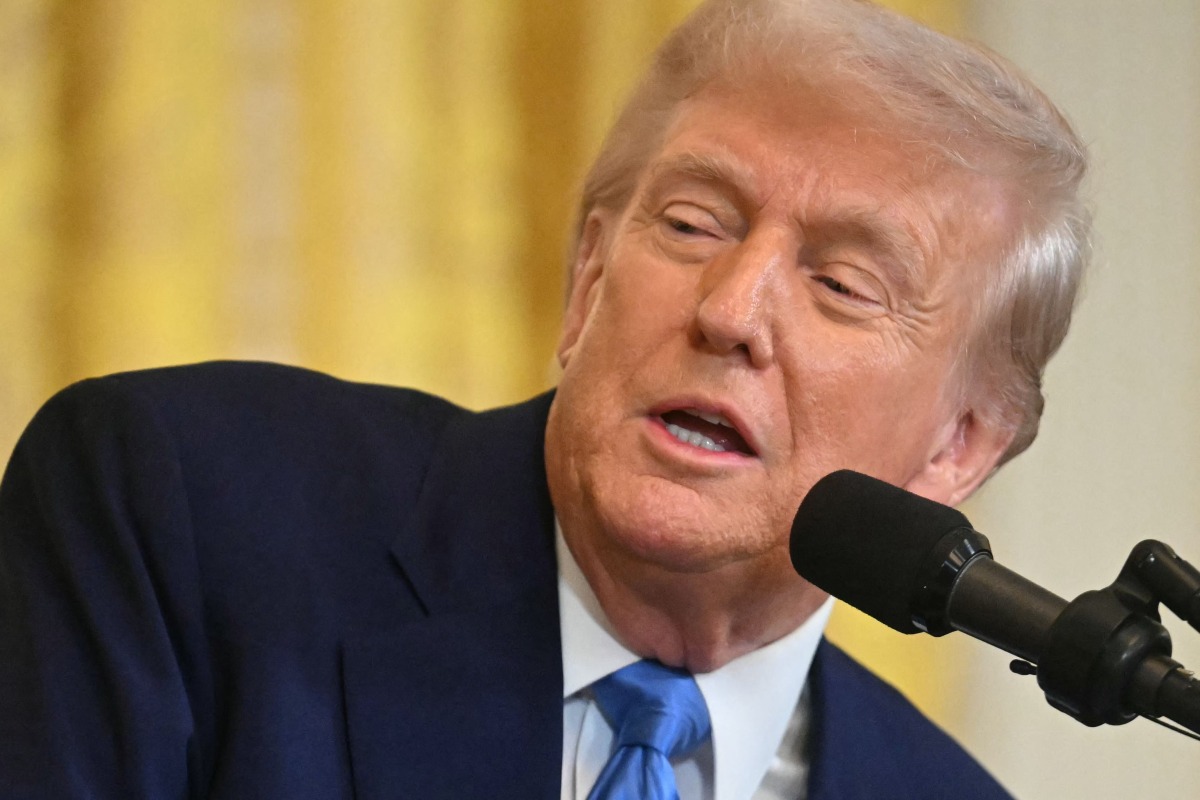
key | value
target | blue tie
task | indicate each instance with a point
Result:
(657, 713)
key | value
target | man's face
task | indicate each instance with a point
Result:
(785, 295)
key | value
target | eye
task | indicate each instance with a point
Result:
(681, 226)
(836, 286)
(850, 286)
(688, 221)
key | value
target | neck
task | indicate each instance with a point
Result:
(696, 620)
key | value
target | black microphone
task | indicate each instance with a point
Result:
(904, 560)
(917, 566)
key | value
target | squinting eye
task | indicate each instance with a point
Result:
(858, 293)
(686, 222)
(837, 286)
(683, 227)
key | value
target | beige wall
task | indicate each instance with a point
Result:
(1119, 456)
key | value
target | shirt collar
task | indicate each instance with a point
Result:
(750, 700)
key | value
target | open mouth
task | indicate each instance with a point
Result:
(705, 430)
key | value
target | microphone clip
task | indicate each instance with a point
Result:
(1107, 655)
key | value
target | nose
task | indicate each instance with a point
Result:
(738, 298)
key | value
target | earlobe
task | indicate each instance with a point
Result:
(586, 271)
(968, 449)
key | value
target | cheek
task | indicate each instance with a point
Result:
(639, 309)
(652, 292)
(861, 409)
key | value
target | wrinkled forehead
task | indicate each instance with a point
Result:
(821, 128)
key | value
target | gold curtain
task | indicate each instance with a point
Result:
(376, 189)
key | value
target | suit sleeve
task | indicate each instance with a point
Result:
(101, 632)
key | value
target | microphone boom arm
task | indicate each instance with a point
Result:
(1106, 657)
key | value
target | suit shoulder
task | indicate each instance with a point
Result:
(859, 712)
(268, 387)
(247, 397)
(264, 423)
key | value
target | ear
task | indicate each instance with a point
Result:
(965, 452)
(586, 271)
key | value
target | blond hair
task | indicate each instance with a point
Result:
(975, 108)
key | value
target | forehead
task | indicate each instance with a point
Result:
(839, 174)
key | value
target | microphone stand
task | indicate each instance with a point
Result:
(1106, 657)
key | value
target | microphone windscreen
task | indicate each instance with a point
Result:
(871, 544)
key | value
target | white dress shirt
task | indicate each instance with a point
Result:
(758, 720)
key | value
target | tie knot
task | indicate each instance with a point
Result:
(655, 706)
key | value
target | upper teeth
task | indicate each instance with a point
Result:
(693, 438)
(715, 419)
(696, 438)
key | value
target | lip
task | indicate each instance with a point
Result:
(708, 406)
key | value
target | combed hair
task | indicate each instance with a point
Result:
(970, 105)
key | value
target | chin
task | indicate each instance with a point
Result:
(674, 527)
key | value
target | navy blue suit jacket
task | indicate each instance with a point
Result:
(252, 581)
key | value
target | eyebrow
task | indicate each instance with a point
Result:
(702, 167)
(900, 254)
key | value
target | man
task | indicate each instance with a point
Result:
(818, 237)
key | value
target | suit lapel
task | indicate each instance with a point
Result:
(852, 758)
(458, 706)
(468, 700)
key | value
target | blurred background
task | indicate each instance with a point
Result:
(383, 190)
